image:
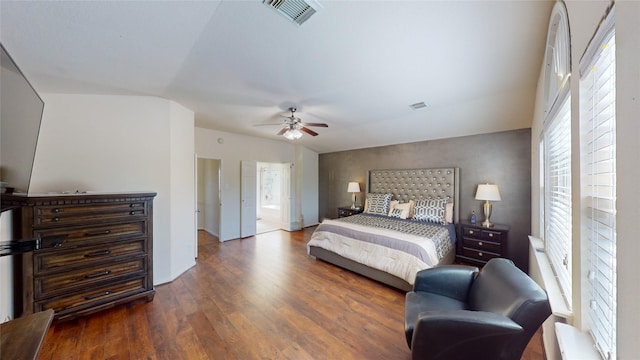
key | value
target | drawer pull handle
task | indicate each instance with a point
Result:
(490, 235)
(56, 210)
(56, 219)
(470, 231)
(96, 233)
(480, 243)
(91, 297)
(98, 253)
(132, 205)
(480, 254)
(102, 273)
(132, 212)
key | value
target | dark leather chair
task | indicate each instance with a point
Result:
(459, 312)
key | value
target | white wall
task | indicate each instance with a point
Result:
(182, 191)
(584, 17)
(309, 186)
(234, 148)
(125, 143)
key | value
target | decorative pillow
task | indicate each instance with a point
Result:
(430, 210)
(412, 206)
(378, 203)
(448, 213)
(393, 203)
(396, 213)
(399, 210)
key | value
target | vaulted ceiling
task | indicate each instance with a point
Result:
(355, 65)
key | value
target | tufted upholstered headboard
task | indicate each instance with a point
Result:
(416, 184)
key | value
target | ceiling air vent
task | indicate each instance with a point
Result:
(297, 11)
(418, 105)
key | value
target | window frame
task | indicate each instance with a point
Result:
(557, 88)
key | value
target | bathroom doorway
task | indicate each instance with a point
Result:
(270, 196)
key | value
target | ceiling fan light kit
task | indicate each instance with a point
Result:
(293, 134)
(293, 127)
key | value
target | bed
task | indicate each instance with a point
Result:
(408, 225)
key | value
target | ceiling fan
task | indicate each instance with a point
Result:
(293, 126)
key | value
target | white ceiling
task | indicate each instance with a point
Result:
(355, 65)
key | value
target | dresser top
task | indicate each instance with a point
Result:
(16, 200)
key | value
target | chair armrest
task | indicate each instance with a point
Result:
(463, 334)
(453, 281)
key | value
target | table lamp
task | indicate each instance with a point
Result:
(487, 192)
(353, 188)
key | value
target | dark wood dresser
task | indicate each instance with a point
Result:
(102, 254)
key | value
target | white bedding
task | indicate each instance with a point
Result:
(393, 261)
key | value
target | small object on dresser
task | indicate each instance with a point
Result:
(473, 217)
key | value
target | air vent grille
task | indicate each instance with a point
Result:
(297, 11)
(418, 105)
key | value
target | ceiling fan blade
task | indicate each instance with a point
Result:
(268, 124)
(284, 130)
(308, 131)
(314, 124)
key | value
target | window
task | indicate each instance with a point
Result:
(555, 167)
(557, 195)
(598, 185)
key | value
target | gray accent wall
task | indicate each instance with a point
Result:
(502, 158)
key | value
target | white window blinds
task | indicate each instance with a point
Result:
(598, 181)
(557, 185)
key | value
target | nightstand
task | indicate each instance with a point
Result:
(477, 244)
(348, 211)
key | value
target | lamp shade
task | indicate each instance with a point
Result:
(488, 192)
(353, 187)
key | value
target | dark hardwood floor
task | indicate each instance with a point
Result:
(261, 297)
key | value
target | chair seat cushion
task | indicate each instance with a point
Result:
(415, 303)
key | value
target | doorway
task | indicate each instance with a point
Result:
(269, 197)
(208, 195)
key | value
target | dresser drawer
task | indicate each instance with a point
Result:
(89, 297)
(482, 245)
(62, 260)
(89, 235)
(479, 255)
(49, 285)
(74, 214)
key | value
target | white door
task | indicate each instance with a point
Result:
(197, 209)
(248, 195)
(288, 199)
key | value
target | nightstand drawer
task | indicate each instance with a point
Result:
(491, 235)
(478, 254)
(483, 234)
(482, 245)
